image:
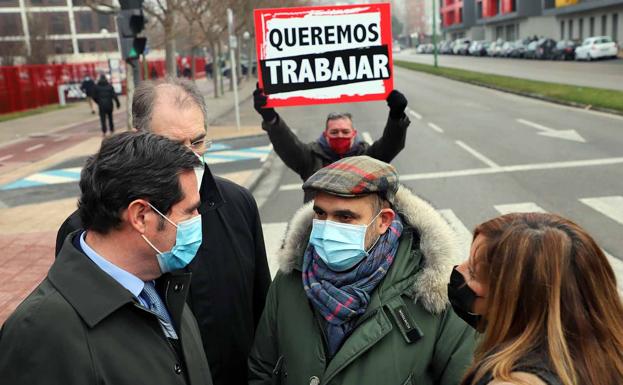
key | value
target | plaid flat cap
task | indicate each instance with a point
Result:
(355, 176)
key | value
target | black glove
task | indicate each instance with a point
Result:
(259, 101)
(397, 103)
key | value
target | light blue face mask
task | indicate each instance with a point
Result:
(187, 241)
(340, 246)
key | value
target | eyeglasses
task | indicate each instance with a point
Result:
(200, 146)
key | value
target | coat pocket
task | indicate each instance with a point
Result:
(279, 371)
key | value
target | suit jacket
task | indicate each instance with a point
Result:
(80, 326)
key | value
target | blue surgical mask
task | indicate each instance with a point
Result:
(340, 246)
(187, 241)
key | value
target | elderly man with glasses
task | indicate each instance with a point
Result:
(230, 271)
(338, 140)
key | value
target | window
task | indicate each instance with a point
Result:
(61, 46)
(562, 29)
(591, 26)
(604, 24)
(97, 45)
(479, 10)
(11, 24)
(9, 3)
(581, 28)
(38, 3)
(615, 26)
(570, 29)
(84, 22)
(513, 6)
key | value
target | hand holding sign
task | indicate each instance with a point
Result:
(259, 103)
(332, 54)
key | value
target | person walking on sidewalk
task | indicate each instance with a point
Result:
(111, 309)
(360, 297)
(338, 140)
(230, 271)
(104, 94)
(88, 87)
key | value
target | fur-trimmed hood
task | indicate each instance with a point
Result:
(438, 243)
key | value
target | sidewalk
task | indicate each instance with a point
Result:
(28, 232)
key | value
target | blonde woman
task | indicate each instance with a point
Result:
(544, 297)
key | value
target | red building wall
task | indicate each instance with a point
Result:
(451, 12)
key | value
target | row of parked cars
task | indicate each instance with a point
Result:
(532, 48)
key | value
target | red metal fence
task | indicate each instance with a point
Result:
(31, 86)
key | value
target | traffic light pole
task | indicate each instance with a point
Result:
(435, 33)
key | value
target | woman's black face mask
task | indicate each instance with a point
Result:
(462, 299)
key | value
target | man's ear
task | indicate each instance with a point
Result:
(135, 215)
(387, 217)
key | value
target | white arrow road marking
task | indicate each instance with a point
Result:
(612, 207)
(559, 134)
(35, 147)
(435, 127)
(6, 157)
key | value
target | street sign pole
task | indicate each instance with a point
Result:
(232, 45)
(435, 33)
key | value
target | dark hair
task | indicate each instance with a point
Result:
(145, 94)
(130, 166)
(336, 116)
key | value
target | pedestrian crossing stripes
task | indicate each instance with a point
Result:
(218, 153)
(611, 206)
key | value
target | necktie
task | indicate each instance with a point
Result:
(155, 304)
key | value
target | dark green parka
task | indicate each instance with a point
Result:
(408, 334)
(81, 327)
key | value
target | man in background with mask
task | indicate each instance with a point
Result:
(361, 295)
(338, 140)
(110, 309)
(230, 271)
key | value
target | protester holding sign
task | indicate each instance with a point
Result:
(338, 140)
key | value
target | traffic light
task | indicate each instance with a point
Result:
(130, 23)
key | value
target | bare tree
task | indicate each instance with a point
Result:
(40, 45)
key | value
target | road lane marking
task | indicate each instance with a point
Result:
(60, 139)
(367, 137)
(496, 170)
(527, 207)
(414, 114)
(35, 147)
(6, 157)
(435, 127)
(611, 206)
(560, 134)
(477, 155)
(462, 233)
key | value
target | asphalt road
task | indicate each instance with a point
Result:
(475, 153)
(601, 74)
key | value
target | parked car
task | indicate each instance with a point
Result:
(518, 50)
(420, 48)
(492, 48)
(545, 49)
(596, 48)
(461, 46)
(506, 49)
(565, 50)
(474, 48)
(445, 47)
(531, 50)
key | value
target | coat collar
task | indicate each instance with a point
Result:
(95, 295)
(210, 193)
(438, 244)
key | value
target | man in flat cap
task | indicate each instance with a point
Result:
(361, 292)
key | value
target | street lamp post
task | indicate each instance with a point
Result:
(434, 34)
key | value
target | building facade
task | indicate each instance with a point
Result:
(61, 30)
(518, 19)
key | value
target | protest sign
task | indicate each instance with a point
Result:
(329, 54)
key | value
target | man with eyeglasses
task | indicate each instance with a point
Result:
(230, 271)
(338, 140)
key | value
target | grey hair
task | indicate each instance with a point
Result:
(338, 115)
(187, 94)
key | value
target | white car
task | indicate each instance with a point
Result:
(596, 47)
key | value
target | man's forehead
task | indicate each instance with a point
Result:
(340, 123)
(329, 202)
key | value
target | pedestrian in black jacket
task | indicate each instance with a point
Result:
(338, 140)
(88, 87)
(230, 272)
(104, 94)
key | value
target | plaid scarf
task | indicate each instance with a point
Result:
(341, 297)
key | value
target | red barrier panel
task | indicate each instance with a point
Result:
(32, 86)
(157, 68)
